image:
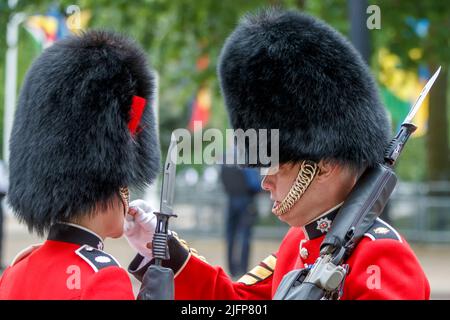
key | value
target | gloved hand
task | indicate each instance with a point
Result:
(139, 227)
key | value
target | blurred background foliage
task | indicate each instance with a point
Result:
(183, 39)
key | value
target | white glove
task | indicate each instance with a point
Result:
(139, 227)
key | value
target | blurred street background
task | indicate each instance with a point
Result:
(402, 41)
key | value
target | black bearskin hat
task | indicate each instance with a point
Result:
(289, 71)
(84, 128)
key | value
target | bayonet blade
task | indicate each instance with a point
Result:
(168, 180)
(423, 94)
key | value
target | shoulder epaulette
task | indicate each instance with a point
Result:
(382, 230)
(96, 258)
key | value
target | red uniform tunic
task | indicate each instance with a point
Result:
(69, 265)
(383, 266)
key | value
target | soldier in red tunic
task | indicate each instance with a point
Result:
(292, 72)
(83, 133)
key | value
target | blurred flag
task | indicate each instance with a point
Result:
(43, 29)
(200, 107)
(48, 28)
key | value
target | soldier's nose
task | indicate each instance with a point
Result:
(266, 183)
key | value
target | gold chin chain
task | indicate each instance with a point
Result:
(306, 174)
(125, 196)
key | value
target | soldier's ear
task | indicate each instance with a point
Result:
(327, 170)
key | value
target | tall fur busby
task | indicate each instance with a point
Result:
(84, 127)
(289, 71)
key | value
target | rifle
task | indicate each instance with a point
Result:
(325, 279)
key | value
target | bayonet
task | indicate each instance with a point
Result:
(407, 128)
(160, 238)
(416, 106)
(168, 180)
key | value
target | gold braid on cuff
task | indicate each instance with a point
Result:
(306, 174)
(186, 246)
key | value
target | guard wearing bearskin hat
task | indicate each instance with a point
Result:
(289, 71)
(84, 131)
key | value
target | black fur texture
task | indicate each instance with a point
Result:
(289, 71)
(70, 147)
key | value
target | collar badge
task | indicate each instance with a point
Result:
(323, 225)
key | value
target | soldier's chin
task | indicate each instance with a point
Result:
(276, 212)
(286, 217)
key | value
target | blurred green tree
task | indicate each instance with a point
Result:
(177, 33)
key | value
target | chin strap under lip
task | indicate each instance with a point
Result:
(308, 170)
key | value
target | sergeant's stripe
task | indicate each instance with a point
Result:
(248, 280)
(250, 273)
(257, 274)
(270, 261)
(260, 272)
(262, 264)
